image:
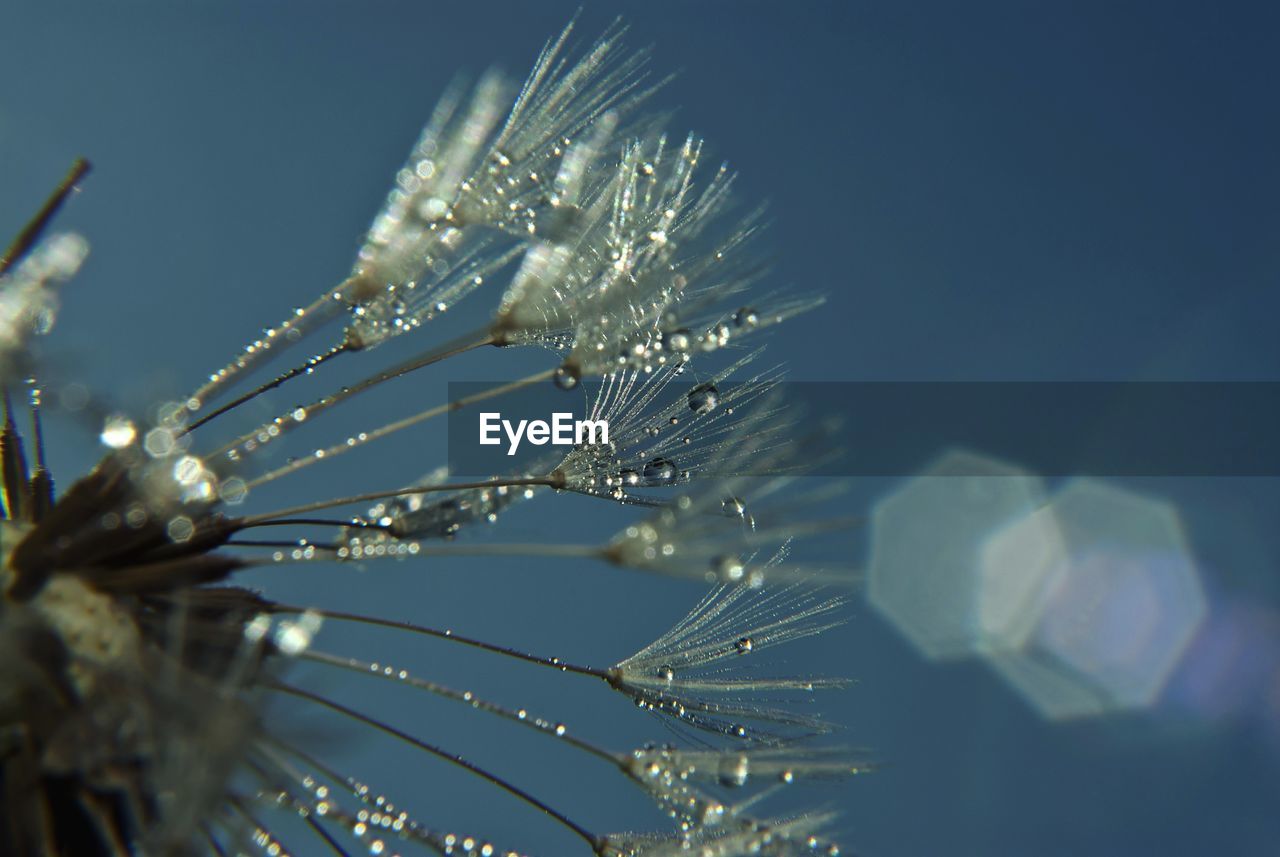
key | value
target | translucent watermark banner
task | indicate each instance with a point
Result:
(880, 428)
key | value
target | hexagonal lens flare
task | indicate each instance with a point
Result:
(927, 546)
(1084, 602)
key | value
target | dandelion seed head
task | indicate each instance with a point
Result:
(139, 663)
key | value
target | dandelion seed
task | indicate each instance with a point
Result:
(694, 673)
(735, 529)
(649, 445)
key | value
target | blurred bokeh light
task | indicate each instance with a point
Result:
(927, 545)
(1083, 602)
(1122, 601)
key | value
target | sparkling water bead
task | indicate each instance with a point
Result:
(704, 398)
(660, 471)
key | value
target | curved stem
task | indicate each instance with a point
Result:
(289, 421)
(447, 634)
(270, 782)
(453, 758)
(269, 517)
(304, 369)
(237, 804)
(291, 330)
(545, 727)
(392, 427)
(30, 234)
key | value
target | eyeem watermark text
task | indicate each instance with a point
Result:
(889, 429)
(563, 430)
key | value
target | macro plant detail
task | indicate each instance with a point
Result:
(137, 665)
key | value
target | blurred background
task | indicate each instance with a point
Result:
(984, 191)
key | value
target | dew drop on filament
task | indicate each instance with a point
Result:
(734, 771)
(704, 398)
(660, 471)
(677, 340)
(728, 568)
(565, 378)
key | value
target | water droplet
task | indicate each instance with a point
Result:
(728, 568)
(744, 645)
(704, 398)
(629, 477)
(118, 432)
(746, 317)
(736, 507)
(677, 340)
(660, 471)
(566, 377)
(294, 637)
(734, 770)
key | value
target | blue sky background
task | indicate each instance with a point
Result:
(985, 191)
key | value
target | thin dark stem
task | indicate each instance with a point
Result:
(325, 835)
(13, 463)
(461, 345)
(238, 805)
(270, 517)
(292, 330)
(397, 425)
(213, 841)
(453, 348)
(296, 543)
(305, 368)
(412, 829)
(41, 483)
(329, 773)
(30, 234)
(37, 426)
(250, 523)
(537, 724)
(446, 634)
(453, 758)
(319, 831)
